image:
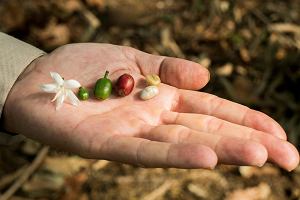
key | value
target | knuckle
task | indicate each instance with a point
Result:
(181, 133)
(213, 124)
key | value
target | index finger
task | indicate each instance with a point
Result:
(204, 103)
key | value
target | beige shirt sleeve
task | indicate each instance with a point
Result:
(15, 56)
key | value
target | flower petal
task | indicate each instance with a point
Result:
(50, 88)
(57, 78)
(72, 97)
(59, 101)
(71, 84)
(60, 92)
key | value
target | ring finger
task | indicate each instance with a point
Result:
(280, 151)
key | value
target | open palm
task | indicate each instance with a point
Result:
(178, 128)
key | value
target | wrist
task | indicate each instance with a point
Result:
(9, 113)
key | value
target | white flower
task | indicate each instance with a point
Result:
(63, 90)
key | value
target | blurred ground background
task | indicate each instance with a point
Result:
(252, 49)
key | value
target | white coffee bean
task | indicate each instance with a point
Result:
(149, 92)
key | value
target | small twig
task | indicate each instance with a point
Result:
(6, 180)
(160, 191)
(229, 89)
(26, 174)
(260, 16)
(198, 191)
(265, 81)
(284, 28)
(169, 42)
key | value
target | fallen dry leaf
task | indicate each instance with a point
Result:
(99, 164)
(260, 192)
(43, 183)
(73, 186)
(225, 70)
(245, 55)
(64, 165)
(198, 191)
(248, 171)
(54, 34)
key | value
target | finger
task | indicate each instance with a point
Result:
(148, 153)
(203, 103)
(173, 71)
(229, 150)
(280, 151)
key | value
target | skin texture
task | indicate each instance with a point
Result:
(178, 128)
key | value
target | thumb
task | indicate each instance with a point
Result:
(183, 74)
(177, 72)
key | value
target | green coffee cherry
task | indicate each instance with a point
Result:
(83, 94)
(103, 87)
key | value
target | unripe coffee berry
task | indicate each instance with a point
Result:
(103, 87)
(83, 94)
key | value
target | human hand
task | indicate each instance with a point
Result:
(178, 128)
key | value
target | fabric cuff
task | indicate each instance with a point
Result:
(15, 56)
